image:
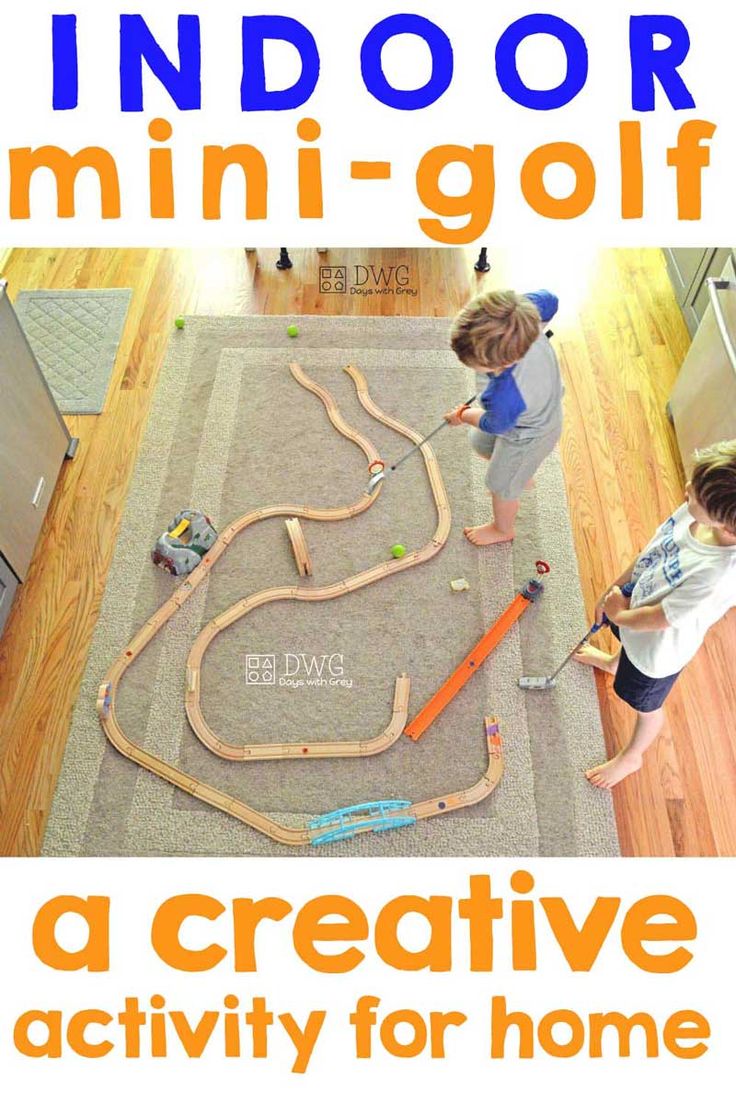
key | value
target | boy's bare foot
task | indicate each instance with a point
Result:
(482, 535)
(594, 657)
(614, 771)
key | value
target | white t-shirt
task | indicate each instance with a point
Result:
(696, 584)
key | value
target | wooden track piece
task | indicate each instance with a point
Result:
(446, 803)
(324, 749)
(299, 546)
(475, 793)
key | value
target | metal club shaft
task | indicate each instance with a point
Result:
(429, 437)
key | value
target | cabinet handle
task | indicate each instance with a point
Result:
(714, 286)
(38, 492)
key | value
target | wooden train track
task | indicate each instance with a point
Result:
(299, 546)
(375, 818)
(240, 609)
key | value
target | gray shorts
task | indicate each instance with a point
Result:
(513, 462)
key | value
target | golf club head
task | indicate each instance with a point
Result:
(537, 682)
(375, 480)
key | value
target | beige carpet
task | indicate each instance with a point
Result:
(231, 430)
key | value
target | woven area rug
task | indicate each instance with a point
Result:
(230, 431)
(75, 336)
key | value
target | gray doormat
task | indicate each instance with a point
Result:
(231, 430)
(75, 336)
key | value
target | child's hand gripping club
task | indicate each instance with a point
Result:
(615, 600)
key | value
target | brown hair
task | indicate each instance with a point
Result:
(714, 482)
(495, 329)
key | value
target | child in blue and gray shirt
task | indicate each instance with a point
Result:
(519, 419)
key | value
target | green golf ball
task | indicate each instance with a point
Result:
(179, 323)
(292, 331)
(398, 551)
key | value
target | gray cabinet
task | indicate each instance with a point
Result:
(8, 586)
(689, 270)
(34, 442)
(703, 400)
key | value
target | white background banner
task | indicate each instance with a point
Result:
(613, 981)
(478, 108)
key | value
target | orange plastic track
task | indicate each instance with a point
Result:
(465, 671)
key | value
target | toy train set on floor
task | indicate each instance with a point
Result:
(192, 547)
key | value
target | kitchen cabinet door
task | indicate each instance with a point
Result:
(33, 443)
(703, 401)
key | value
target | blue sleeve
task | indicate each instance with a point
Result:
(546, 303)
(503, 405)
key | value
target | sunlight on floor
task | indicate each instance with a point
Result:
(528, 267)
(214, 267)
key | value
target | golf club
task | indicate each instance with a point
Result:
(378, 476)
(548, 682)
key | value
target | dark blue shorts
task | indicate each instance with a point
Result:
(642, 692)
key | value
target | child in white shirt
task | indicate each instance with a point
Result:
(685, 581)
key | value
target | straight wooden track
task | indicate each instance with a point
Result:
(219, 799)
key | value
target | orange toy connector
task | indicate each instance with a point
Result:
(475, 659)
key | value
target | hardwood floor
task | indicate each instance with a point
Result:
(621, 339)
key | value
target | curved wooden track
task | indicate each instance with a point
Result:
(339, 749)
(217, 798)
(299, 546)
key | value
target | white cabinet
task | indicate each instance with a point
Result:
(703, 400)
(689, 270)
(33, 444)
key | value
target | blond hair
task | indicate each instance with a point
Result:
(714, 482)
(496, 329)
